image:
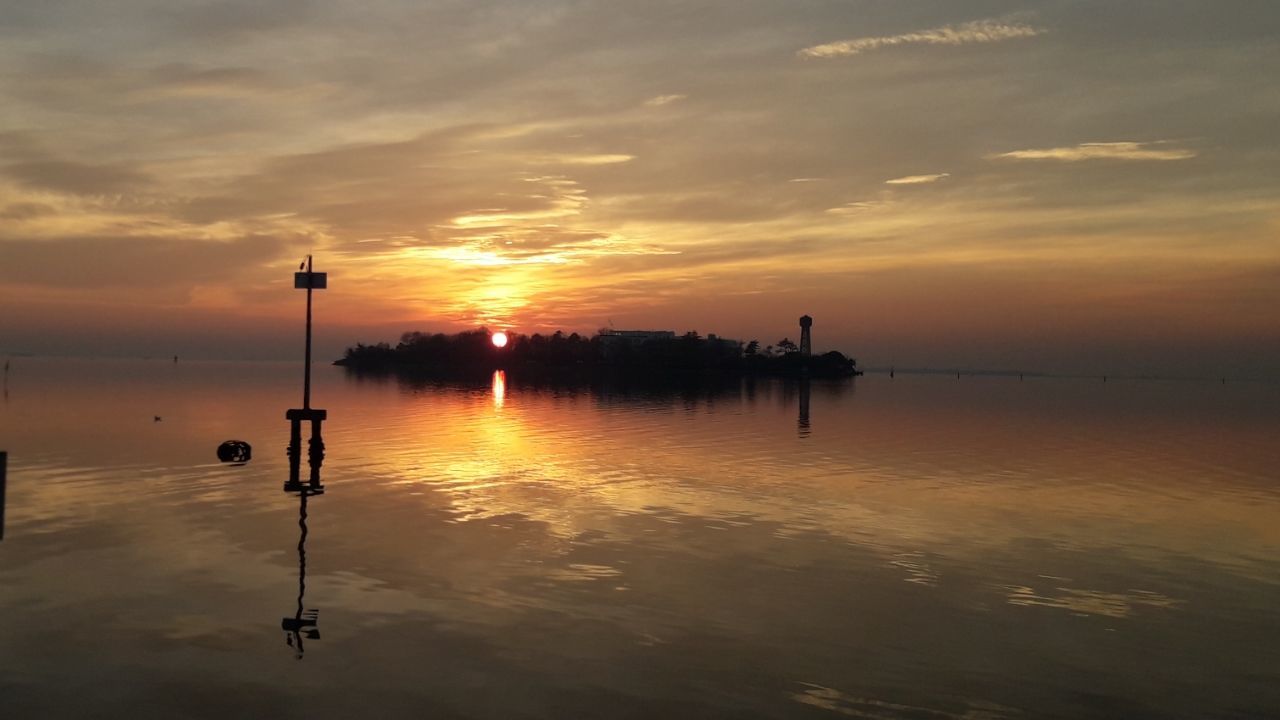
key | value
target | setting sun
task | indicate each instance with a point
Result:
(499, 339)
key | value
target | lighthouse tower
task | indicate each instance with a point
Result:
(806, 349)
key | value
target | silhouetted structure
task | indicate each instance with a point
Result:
(4, 461)
(308, 281)
(806, 344)
(612, 339)
(304, 622)
(315, 448)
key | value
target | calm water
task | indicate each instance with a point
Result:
(922, 547)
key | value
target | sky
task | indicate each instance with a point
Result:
(1047, 185)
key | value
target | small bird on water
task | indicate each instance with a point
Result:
(157, 419)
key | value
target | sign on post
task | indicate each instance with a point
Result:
(310, 281)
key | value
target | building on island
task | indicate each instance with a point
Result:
(635, 337)
(614, 341)
(724, 344)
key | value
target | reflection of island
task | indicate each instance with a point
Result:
(304, 621)
(629, 354)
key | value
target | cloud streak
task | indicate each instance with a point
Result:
(1102, 151)
(918, 179)
(858, 207)
(596, 159)
(980, 31)
(661, 100)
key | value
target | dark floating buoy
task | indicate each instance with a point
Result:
(235, 451)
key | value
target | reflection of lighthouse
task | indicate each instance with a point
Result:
(802, 423)
(806, 349)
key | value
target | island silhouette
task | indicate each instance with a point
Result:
(633, 354)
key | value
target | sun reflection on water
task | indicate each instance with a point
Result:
(499, 388)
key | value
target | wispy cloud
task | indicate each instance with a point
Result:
(544, 245)
(858, 207)
(980, 31)
(597, 159)
(178, 79)
(663, 100)
(918, 179)
(1104, 151)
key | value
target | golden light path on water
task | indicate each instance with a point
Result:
(900, 481)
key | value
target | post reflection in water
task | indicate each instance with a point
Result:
(499, 388)
(303, 624)
(802, 424)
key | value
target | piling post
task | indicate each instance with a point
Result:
(309, 280)
(4, 461)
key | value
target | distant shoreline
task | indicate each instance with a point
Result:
(470, 354)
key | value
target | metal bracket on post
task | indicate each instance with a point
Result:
(315, 450)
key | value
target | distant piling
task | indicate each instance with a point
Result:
(4, 461)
